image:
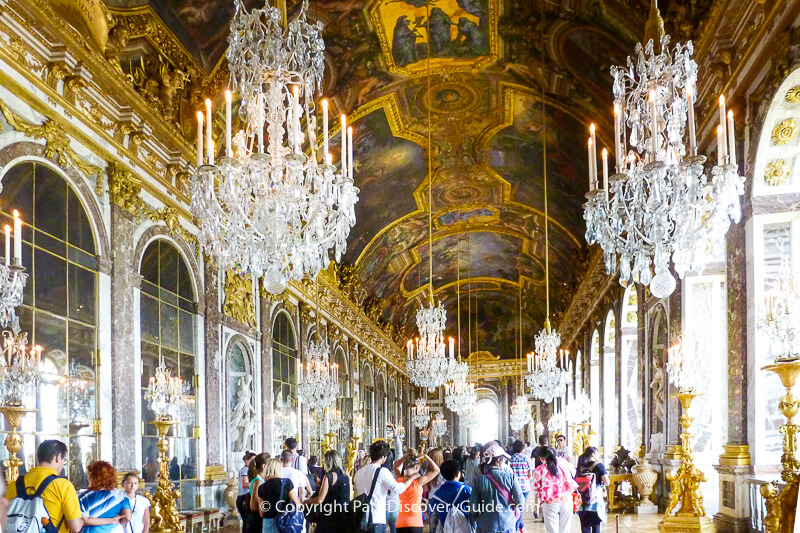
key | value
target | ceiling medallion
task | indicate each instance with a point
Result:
(660, 207)
(273, 205)
(784, 132)
(776, 173)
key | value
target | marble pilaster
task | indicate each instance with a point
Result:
(126, 351)
(215, 429)
(267, 394)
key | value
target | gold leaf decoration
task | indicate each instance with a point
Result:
(784, 132)
(793, 96)
(777, 172)
(239, 301)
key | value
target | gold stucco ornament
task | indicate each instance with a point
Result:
(793, 95)
(239, 300)
(776, 173)
(784, 132)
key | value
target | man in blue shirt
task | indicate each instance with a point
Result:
(451, 493)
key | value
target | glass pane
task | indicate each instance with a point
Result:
(149, 319)
(170, 360)
(187, 372)
(50, 202)
(81, 294)
(45, 241)
(777, 250)
(237, 359)
(27, 255)
(150, 461)
(185, 289)
(80, 231)
(187, 332)
(82, 258)
(188, 496)
(82, 452)
(50, 282)
(18, 192)
(51, 335)
(149, 362)
(81, 345)
(147, 426)
(52, 404)
(149, 267)
(169, 326)
(168, 271)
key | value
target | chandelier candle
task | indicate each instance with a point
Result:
(350, 151)
(199, 139)
(209, 138)
(17, 238)
(591, 177)
(605, 171)
(692, 136)
(325, 150)
(344, 145)
(228, 102)
(8, 245)
(594, 153)
(722, 121)
(731, 140)
(617, 143)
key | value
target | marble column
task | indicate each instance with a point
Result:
(503, 410)
(267, 394)
(215, 424)
(126, 350)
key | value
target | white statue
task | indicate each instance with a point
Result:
(658, 386)
(243, 418)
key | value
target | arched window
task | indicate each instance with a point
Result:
(610, 400)
(58, 311)
(594, 380)
(393, 403)
(631, 397)
(368, 397)
(380, 406)
(241, 400)
(167, 314)
(284, 376)
(488, 412)
(773, 248)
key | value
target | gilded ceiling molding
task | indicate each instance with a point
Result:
(56, 141)
(239, 301)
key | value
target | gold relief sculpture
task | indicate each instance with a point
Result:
(85, 15)
(56, 141)
(777, 172)
(239, 302)
(782, 506)
(772, 520)
(784, 132)
(124, 188)
(169, 216)
(793, 95)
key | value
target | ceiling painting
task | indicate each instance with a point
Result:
(460, 34)
(590, 52)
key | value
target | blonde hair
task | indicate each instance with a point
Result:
(437, 456)
(332, 461)
(273, 468)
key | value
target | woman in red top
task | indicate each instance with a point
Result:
(554, 483)
(409, 520)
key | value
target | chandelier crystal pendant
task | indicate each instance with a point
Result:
(556, 423)
(420, 413)
(660, 206)
(19, 367)
(12, 274)
(459, 394)
(520, 413)
(781, 316)
(164, 395)
(548, 375)
(683, 365)
(579, 409)
(469, 417)
(317, 379)
(269, 207)
(439, 425)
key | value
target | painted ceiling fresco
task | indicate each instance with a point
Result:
(491, 63)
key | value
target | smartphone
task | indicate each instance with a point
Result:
(389, 432)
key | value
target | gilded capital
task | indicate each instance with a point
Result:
(124, 188)
(239, 301)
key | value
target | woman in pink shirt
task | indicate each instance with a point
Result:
(553, 484)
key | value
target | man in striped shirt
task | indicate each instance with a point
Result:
(521, 466)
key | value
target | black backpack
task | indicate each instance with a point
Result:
(360, 510)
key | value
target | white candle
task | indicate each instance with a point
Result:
(209, 143)
(350, 150)
(228, 101)
(325, 128)
(605, 170)
(722, 118)
(329, 161)
(199, 138)
(344, 145)
(731, 139)
(617, 144)
(654, 123)
(17, 238)
(8, 245)
(591, 179)
(692, 134)
(594, 153)
(720, 145)
(409, 345)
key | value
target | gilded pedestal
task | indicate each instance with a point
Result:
(329, 443)
(685, 483)
(13, 415)
(782, 507)
(163, 503)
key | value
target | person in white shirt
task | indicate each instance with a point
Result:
(140, 506)
(299, 479)
(378, 451)
(298, 461)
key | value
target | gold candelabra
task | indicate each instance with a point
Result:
(163, 509)
(13, 415)
(685, 482)
(352, 451)
(782, 506)
(329, 443)
(582, 439)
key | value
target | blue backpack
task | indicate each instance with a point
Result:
(291, 519)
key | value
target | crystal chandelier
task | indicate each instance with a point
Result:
(459, 394)
(317, 380)
(12, 275)
(660, 204)
(269, 207)
(683, 365)
(284, 418)
(333, 418)
(359, 422)
(424, 434)
(469, 418)
(781, 321)
(579, 409)
(164, 394)
(19, 367)
(428, 364)
(548, 375)
(520, 413)
(420, 413)
(439, 425)
(555, 424)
